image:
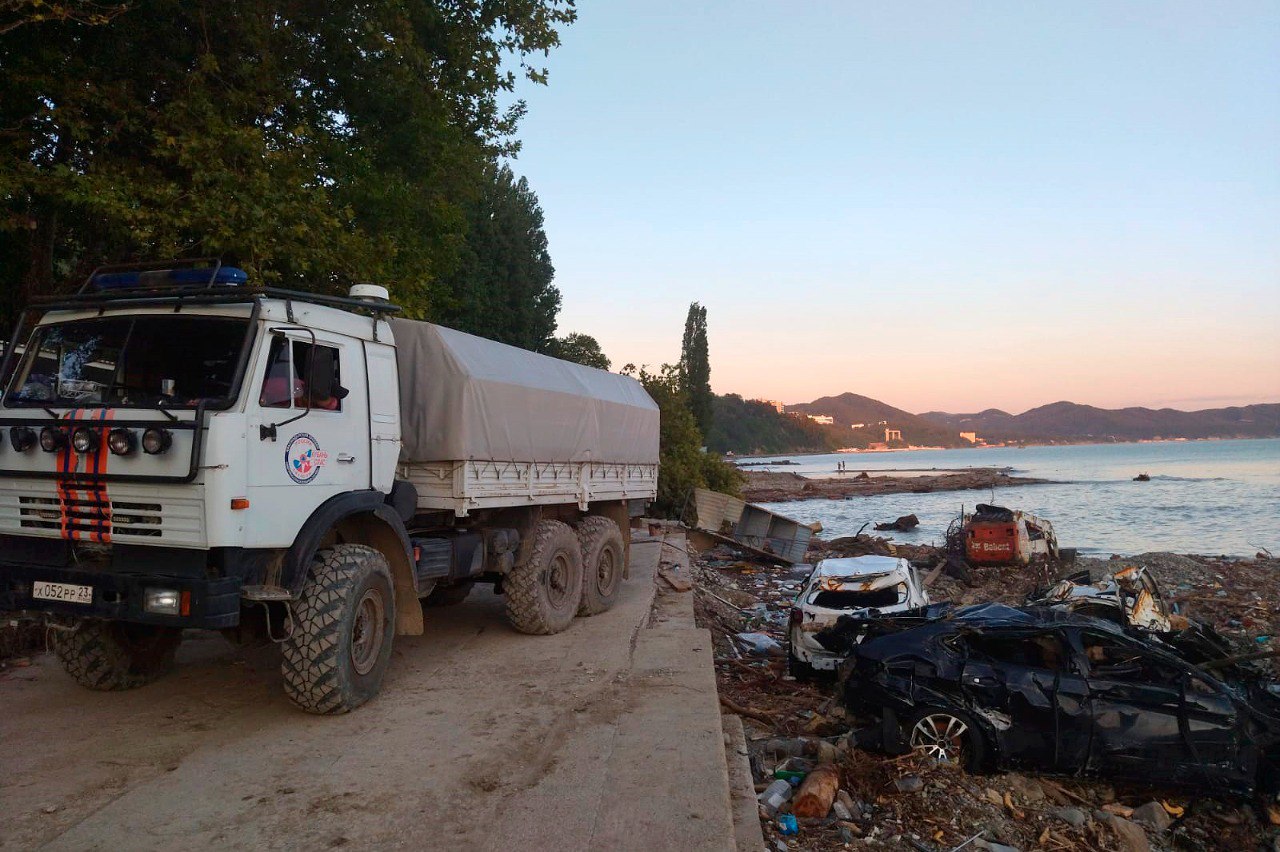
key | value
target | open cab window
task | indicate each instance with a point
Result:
(302, 375)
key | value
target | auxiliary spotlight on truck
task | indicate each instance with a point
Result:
(179, 449)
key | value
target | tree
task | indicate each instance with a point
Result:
(501, 287)
(695, 367)
(322, 143)
(579, 348)
(682, 465)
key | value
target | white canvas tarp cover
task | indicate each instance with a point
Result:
(464, 397)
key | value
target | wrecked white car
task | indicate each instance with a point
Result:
(1129, 597)
(861, 585)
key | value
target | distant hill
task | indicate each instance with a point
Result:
(1069, 421)
(748, 427)
(851, 408)
(752, 427)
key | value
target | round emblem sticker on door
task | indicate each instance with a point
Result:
(303, 458)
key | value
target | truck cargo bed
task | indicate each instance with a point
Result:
(464, 486)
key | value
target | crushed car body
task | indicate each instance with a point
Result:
(999, 687)
(861, 585)
(1129, 596)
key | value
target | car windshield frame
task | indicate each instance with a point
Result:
(238, 348)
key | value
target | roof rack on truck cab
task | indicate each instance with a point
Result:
(197, 281)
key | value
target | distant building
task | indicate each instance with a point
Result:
(824, 419)
(891, 435)
(971, 437)
(857, 425)
(777, 406)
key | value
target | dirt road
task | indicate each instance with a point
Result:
(482, 738)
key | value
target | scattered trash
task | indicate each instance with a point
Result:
(788, 825)
(775, 796)
(761, 644)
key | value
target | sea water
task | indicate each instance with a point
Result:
(1205, 497)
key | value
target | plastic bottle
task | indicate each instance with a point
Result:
(775, 796)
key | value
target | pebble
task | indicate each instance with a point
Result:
(1131, 836)
(1152, 815)
(1072, 816)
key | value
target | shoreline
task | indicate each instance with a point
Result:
(783, 487)
(736, 458)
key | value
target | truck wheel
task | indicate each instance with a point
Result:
(449, 595)
(343, 624)
(602, 555)
(543, 593)
(111, 655)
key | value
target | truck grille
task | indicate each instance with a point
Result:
(85, 516)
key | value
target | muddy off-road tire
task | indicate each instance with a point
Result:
(449, 595)
(602, 562)
(543, 594)
(111, 655)
(343, 625)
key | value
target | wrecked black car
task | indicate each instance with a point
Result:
(995, 687)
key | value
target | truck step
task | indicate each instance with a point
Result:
(265, 593)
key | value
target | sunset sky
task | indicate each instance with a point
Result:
(940, 205)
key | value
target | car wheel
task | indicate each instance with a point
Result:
(947, 736)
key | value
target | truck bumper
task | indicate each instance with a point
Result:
(119, 596)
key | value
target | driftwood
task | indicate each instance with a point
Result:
(818, 791)
(763, 718)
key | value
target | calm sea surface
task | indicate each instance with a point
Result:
(1207, 497)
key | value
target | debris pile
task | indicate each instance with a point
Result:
(780, 486)
(798, 730)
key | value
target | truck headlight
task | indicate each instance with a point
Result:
(162, 601)
(21, 438)
(156, 440)
(121, 442)
(84, 440)
(52, 440)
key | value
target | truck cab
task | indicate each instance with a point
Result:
(180, 450)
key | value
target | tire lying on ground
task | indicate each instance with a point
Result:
(602, 563)
(111, 655)
(543, 593)
(343, 625)
(449, 595)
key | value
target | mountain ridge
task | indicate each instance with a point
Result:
(1065, 420)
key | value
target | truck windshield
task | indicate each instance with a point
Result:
(148, 360)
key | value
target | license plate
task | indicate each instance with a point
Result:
(63, 592)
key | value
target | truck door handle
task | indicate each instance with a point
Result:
(343, 458)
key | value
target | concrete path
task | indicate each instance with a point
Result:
(482, 738)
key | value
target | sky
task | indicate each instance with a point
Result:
(946, 206)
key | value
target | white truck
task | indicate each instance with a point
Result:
(181, 450)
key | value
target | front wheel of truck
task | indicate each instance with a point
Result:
(543, 594)
(343, 624)
(112, 655)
